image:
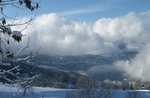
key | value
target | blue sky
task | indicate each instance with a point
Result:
(87, 10)
(91, 10)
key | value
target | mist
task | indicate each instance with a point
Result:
(138, 67)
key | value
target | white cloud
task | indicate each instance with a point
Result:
(124, 27)
(137, 68)
(58, 36)
(90, 9)
(80, 11)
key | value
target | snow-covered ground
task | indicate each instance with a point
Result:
(7, 91)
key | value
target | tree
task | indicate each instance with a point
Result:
(86, 88)
(9, 66)
(90, 88)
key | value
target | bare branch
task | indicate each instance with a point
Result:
(10, 70)
(13, 69)
(9, 80)
(19, 24)
(23, 59)
(9, 17)
(3, 44)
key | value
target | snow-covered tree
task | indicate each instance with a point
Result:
(9, 67)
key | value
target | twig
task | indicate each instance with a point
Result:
(23, 47)
(19, 24)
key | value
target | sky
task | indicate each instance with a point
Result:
(90, 10)
(97, 27)
(85, 10)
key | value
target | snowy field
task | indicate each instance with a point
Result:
(7, 91)
(40, 92)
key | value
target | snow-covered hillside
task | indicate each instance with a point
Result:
(7, 91)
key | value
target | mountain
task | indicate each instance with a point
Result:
(47, 76)
(64, 71)
(97, 66)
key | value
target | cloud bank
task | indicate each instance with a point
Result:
(58, 36)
